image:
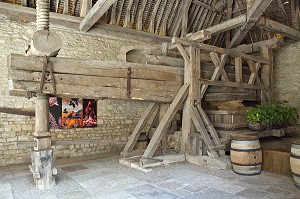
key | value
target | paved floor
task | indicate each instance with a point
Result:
(105, 178)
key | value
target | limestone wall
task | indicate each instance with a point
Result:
(116, 119)
(286, 77)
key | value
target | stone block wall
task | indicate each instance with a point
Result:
(286, 79)
(116, 119)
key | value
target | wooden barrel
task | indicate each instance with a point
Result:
(246, 155)
(295, 161)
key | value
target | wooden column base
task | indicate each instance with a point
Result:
(42, 169)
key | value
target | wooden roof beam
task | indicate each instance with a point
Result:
(95, 13)
(253, 15)
(85, 7)
(276, 27)
(204, 5)
(219, 28)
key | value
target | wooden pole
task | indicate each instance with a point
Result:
(266, 75)
(42, 156)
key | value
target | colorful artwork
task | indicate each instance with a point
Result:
(72, 113)
(55, 107)
(90, 113)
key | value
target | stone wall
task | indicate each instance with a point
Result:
(286, 77)
(116, 119)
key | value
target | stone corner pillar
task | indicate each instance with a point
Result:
(42, 167)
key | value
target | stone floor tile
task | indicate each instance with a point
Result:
(195, 187)
(72, 168)
(73, 195)
(148, 191)
(230, 188)
(171, 184)
(212, 193)
(253, 194)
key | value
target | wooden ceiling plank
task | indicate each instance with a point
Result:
(204, 17)
(85, 7)
(295, 14)
(160, 17)
(185, 18)
(140, 17)
(127, 15)
(120, 12)
(196, 22)
(273, 26)
(253, 15)
(194, 13)
(229, 16)
(113, 13)
(163, 29)
(95, 13)
(153, 15)
(66, 7)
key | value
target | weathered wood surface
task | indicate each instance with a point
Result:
(166, 121)
(104, 79)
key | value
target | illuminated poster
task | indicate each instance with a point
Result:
(55, 108)
(89, 113)
(72, 113)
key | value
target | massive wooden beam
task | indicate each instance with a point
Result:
(166, 121)
(209, 48)
(276, 27)
(253, 15)
(219, 28)
(256, 47)
(95, 13)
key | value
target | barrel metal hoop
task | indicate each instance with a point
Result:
(296, 174)
(254, 164)
(295, 146)
(245, 150)
(243, 142)
(295, 156)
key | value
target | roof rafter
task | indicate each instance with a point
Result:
(95, 13)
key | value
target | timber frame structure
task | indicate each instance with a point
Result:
(195, 29)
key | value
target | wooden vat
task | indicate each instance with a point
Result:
(228, 119)
(295, 161)
(246, 155)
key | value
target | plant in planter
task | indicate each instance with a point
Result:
(276, 115)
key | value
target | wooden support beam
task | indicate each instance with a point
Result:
(162, 111)
(232, 85)
(217, 62)
(229, 16)
(139, 127)
(256, 47)
(295, 12)
(221, 27)
(95, 13)
(183, 54)
(16, 111)
(267, 76)
(166, 121)
(185, 17)
(85, 7)
(209, 48)
(253, 15)
(113, 13)
(238, 69)
(200, 127)
(283, 12)
(273, 26)
(254, 68)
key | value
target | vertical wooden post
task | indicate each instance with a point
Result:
(266, 75)
(186, 117)
(42, 156)
(295, 12)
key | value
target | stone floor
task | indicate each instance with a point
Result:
(104, 177)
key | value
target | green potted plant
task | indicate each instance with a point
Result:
(277, 115)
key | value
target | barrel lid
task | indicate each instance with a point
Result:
(243, 137)
(297, 142)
